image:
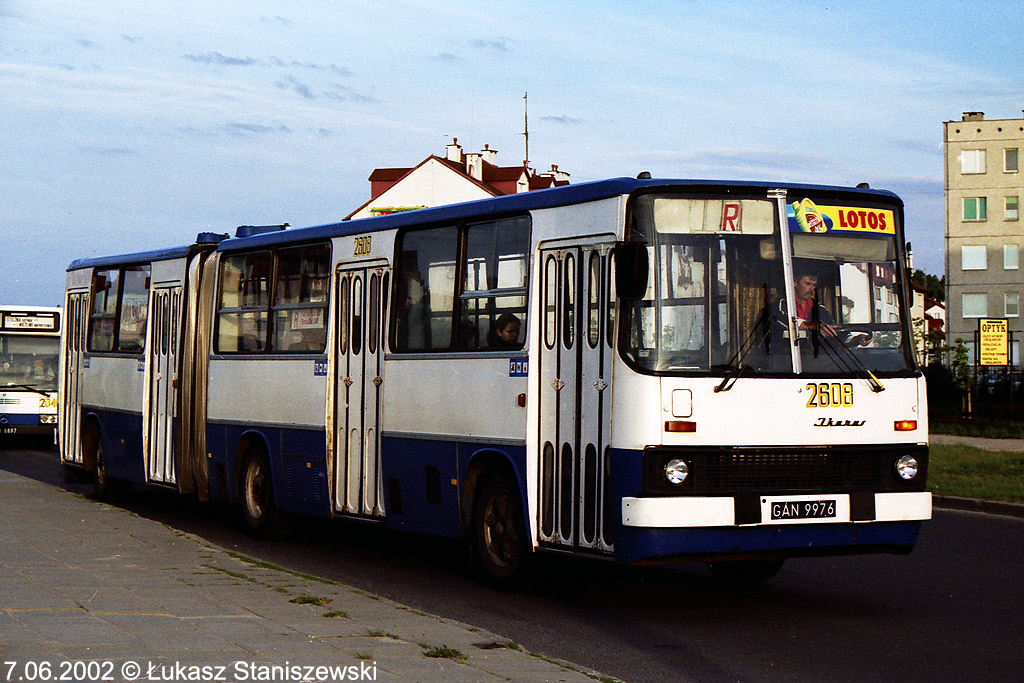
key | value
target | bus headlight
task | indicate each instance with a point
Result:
(676, 471)
(906, 467)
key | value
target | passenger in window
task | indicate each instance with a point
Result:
(40, 371)
(506, 330)
(310, 340)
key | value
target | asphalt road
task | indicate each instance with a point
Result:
(950, 611)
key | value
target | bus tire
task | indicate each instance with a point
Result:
(745, 572)
(262, 517)
(104, 486)
(501, 540)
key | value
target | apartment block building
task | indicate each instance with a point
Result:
(984, 233)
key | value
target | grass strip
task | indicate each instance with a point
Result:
(956, 470)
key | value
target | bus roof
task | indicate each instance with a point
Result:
(30, 309)
(482, 208)
(135, 257)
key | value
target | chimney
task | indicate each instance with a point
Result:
(490, 155)
(558, 176)
(974, 116)
(475, 166)
(454, 151)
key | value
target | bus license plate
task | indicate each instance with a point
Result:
(803, 509)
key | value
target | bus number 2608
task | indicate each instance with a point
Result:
(830, 395)
(362, 246)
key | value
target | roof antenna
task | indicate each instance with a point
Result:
(526, 129)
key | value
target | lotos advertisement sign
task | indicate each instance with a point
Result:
(806, 216)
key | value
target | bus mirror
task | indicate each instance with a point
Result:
(631, 268)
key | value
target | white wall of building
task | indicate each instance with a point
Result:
(432, 184)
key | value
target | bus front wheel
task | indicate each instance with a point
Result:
(262, 518)
(500, 536)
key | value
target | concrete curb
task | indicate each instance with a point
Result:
(991, 507)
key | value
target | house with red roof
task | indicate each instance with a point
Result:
(453, 178)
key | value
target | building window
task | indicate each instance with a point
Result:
(972, 161)
(1011, 256)
(1010, 160)
(975, 305)
(1011, 212)
(1011, 305)
(975, 208)
(971, 351)
(973, 257)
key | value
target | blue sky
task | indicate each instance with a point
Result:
(129, 125)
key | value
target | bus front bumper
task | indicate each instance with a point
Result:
(27, 424)
(706, 528)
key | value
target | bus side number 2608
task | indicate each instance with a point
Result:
(362, 246)
(830, 395)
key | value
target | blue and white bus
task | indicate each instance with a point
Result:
(29, 352)
(604, 369)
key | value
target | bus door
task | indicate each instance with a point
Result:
(76, 315)
(574, 406)
(358, 375)
(164, 317)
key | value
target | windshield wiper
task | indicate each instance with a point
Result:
(850, 363)
(30, 387)
(735, 365)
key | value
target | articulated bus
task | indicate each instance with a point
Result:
(604, 369)
(29, 352)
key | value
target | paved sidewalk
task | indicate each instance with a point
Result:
(93, 592)
(979, 442)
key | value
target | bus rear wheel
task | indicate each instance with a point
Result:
(501, 539)
(262, 517)
(104, 486)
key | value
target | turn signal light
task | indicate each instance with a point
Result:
(905, 425)
(680, 426)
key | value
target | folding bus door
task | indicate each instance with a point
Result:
(574, 408)
(359, 369)
(76, 315)
(162, 360)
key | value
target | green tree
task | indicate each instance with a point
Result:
(934, 286)
(963, 372)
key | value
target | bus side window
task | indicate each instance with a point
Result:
(134, 309)
(493, 293)
(425, 289)
(242, 310)
(300, 299)
(105, 285)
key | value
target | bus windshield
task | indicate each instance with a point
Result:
(716, 298)
(28, 362)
